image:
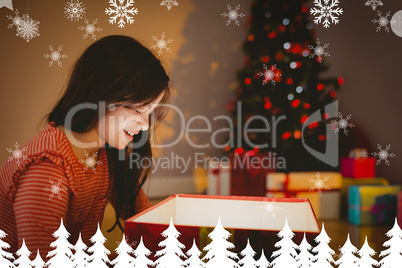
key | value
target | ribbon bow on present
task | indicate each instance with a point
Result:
(358, 153)
(383, 204)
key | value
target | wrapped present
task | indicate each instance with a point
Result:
(200, 179)
(358, 164)
(248, 172)
(218, 178)
(369, 205)
(258, 219)
(326, 205)
(347, 182)
(399, 213)
(294, 182)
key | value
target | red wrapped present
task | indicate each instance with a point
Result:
(218, 178)
(258, 219)
(249, 171)
(358, 165)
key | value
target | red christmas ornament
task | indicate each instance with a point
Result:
(295, 103)
(239, 150)
(320, 86)
(272, 35)
(304, 119)
(286, 135)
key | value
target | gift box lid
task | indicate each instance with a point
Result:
(236, 212)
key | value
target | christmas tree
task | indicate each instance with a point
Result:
(366, 253)
(141, 254)
(262, 261)
(61, 255)
(99, 257)
(248, 254)
(305, 256)
(6, 258)
(280, 85)
(80, 258)
(392, 255)
(170, 255)
(194, 257)
(38, 261)
(348, 259)
(23, 254)
(124, 259)
(286, 254)
(218, 254)
(323, 251)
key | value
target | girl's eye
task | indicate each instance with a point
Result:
(138, 111)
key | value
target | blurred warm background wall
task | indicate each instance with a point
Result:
(205, 55)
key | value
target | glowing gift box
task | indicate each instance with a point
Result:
(195, 216)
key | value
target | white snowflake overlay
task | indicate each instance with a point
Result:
(269, 74)
(121, 12)
(319, 51)
(90, 29)
(161, 43)
(27, 28)
(342, 123)
(383, 154)
(169, 3)
(55, 56)
(269, 208)
(55, 189)
(374, 4)
(382, 21)
(90, 162)
(319, 184)
(326, 11)
(17, 154)
(74, 10)
(17, 20)
(233, 15)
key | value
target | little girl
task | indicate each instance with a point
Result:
(81, 160)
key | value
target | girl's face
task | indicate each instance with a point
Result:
(121, 123)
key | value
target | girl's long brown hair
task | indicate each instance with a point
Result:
(116, 69)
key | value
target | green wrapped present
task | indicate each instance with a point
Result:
(347, 182)
(374, 204)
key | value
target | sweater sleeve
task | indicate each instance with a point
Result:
(41, 201)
